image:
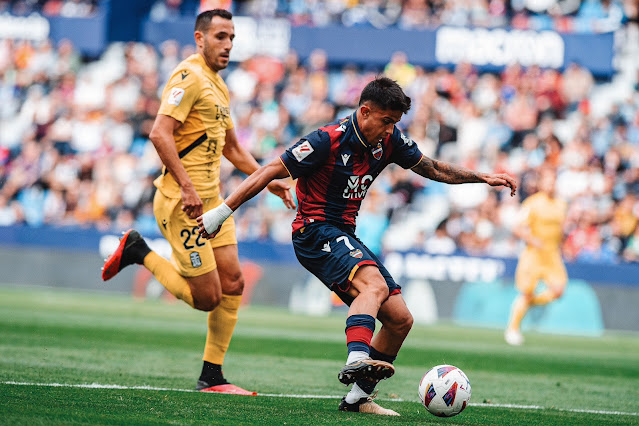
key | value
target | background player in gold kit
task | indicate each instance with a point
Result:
(541, 228)
(192, 130)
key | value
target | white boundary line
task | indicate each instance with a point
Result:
(281, 395)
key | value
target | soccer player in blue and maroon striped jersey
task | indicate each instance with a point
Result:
(335, 166)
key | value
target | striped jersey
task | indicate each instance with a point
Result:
(335, 166)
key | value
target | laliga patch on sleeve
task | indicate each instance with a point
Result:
(302, 150)
(175, 97)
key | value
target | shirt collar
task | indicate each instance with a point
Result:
(205, 67)
(358, 132)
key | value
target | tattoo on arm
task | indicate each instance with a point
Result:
(446, 172)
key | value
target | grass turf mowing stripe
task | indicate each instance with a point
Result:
(279, 395)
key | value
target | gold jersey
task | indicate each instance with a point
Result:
(545, 217)
(199, 99)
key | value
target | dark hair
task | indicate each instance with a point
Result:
(386, 94)
(203, 20)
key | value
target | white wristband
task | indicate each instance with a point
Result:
(216, 217)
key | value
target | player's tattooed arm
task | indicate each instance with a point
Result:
(446, 172)
(453, 174)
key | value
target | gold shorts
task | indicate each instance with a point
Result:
(532, 268)
(192, 254)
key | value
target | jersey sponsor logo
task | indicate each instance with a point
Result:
(176, 95)
(378, 151)
(302, 151)
(327, 247)
(196, 261)
(222, 112)
(345, 158)
(357, 186)
(408, 141)
(357, 254)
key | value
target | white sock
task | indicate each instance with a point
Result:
(355, 394)
(356, 356)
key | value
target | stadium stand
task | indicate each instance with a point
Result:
(560, 15)
(74, 146)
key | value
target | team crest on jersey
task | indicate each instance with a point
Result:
(357, 254)
(408, 141)
(175, 97)
(302, 151)
(196, 262)
(378, 151)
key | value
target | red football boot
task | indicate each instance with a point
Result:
(227, 389)
(132, 249)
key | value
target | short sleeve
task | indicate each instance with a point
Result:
(307, 155)
(180, 94)
(229, 123)
(405, 150)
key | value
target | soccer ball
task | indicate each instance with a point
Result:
(444, 390)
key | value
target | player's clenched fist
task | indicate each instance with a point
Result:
(211, 222)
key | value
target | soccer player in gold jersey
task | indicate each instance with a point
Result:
(541, 228)
(191, 133)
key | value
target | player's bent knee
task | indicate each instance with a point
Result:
(205, 299)
(405, 324)
(401, 323)
(206, 304)
(369, 281)
(234, 286)
(380, 289)
(375, 288)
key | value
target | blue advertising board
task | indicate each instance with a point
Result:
(88, 35)
(488, 50)
(467, 290)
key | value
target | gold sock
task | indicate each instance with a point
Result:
(519, 309)
(221, 324)
(544, 297)
(171, 279)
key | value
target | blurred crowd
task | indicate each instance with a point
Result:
(561, 15)
(66, 8)
(74, 147)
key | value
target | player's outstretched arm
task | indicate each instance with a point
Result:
(452, 174)
(211, 221)
(244, 162)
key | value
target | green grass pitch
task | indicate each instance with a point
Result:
(69, 357)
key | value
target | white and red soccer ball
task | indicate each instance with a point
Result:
(444, 390)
